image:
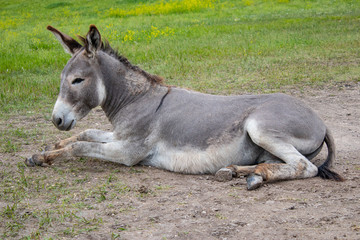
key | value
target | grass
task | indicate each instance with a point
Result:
(220, 47)
(61, 203)
(162, 8)
(212, 46)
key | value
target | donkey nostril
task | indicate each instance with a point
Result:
(58, 121)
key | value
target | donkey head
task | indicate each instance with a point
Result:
(81, 87)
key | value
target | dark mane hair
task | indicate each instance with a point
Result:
(105, 46)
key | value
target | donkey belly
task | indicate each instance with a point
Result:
(189, 159)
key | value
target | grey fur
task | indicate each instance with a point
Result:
(181, 130)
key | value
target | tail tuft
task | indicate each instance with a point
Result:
(324, 170)
(325, 173)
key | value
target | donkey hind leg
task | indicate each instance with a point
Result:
(227, 173)
(295, 166)
(89, 135)
(292, 164)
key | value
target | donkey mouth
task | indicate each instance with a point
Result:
(64, 126)
(72, 124)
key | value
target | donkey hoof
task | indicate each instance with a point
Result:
(33, 161)
(224, 175)
(29, 162)
(254, 181)
(49, 148)
(57, 146)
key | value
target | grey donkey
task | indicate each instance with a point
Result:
(263, 137)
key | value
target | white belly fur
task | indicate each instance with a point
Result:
(194, 161)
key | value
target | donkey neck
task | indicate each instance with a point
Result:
(126, 86)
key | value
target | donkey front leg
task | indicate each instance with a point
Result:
(89, 135)
(118, 151)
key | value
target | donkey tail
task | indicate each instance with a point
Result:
(324, 170)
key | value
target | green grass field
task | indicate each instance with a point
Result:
(221, 47)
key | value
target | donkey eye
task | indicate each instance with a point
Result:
(77, 81)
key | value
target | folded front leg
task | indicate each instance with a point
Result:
(127, 153)
(89, 135)
(90, 143)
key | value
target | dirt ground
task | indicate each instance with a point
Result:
(166, 205)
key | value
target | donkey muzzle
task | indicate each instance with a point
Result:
(62, 123)
(63, 117)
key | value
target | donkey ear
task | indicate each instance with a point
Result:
(93, 40)
(70, 45)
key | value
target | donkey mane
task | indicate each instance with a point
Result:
(105, 47)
